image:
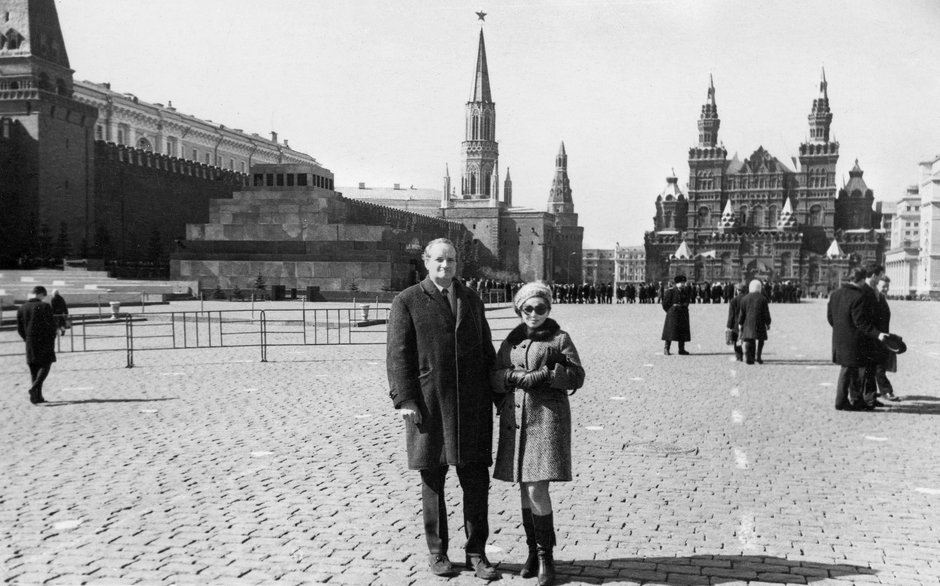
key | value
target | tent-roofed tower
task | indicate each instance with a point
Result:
(559, 197)
(47, 140)
(480, 176)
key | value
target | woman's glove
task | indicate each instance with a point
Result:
(535, 378)
(513, 378)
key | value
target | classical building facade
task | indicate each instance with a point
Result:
(928, 273)
(124, 119)
(903, 255)
(758, 217)
(523, 243)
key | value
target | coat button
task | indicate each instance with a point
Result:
(518, 406)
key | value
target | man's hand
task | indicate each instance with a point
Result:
(409, 412)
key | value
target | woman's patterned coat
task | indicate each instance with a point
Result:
(535, 424)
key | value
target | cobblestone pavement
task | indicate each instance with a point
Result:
(208, 466)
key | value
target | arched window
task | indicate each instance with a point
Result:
(786, 264)
(815, 216)
(757, 217)
(475, 127)
(704, 217)
(667, 220)
(473, 183)
(742, 215)
(144, 145)
(772, 217)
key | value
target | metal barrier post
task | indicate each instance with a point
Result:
(129, 334)
(264, 338)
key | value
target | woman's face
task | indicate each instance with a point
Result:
(534, 312)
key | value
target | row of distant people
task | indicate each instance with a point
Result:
(703, 292)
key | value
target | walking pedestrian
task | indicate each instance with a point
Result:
(35, 323)
(754, 320)
(440, 358)
(536, 365)
(732, 329)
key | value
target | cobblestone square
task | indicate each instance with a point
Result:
(210, 467)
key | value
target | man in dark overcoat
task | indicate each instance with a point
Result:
(676, 328)
(754, 321)
(853, 335)
(439, 357)
(35, 322)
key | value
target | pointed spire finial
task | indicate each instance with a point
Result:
(711, 90)
(561, 149)
(823, 85)
(481, 78)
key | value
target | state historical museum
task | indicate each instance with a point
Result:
(759, 218)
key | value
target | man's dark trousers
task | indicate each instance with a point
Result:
(39, 372)
(848, 388)
(475, 482)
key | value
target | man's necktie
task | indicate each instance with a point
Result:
(447, 297)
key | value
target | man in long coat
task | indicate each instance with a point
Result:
(853, 335)
(754, 320)
(35, 323)
(440, 353)
(732, 327)
(676, 305)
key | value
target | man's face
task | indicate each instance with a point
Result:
(873, 280)
(681, 285)
(441, 263)
(882, 287)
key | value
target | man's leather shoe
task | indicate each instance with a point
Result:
(877, 403)
(481, 566)
(683, 353)
(759, 360)
(440, 565)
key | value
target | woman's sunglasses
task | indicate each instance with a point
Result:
(538, 309)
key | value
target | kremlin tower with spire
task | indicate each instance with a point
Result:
(760, 218)
(523, 243)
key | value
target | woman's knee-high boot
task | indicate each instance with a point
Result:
(531, 566)
(545, 541)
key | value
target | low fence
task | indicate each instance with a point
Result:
(178, 330)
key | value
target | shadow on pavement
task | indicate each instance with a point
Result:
(773, 362)
(81, 401)
(702, 569)
(906, 407)
(919, 398)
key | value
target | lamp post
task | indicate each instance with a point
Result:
(568, 272)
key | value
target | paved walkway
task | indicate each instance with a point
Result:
(208, 466)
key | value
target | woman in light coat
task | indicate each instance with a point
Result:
(536, 366)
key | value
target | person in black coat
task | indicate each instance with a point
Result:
(732, 330)
(851, 316)
(61, 311)
(439, 359)
(35, 323)
(885, 359)
(754, 321)
(676, 305)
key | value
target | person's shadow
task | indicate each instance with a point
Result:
(697, 569)
(83, 401)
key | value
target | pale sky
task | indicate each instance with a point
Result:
(375, 90)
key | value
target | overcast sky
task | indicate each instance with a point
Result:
(375, 89)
